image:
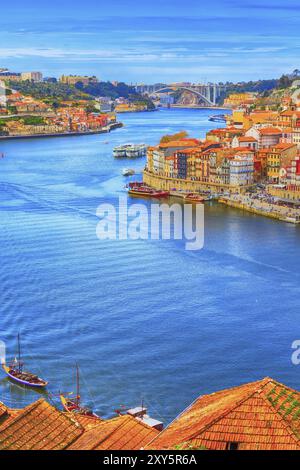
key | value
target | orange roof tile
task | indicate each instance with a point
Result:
(269, 131)
(261, 415)
(247, 139)
(39, 426)
(283, 146)
(3, 410)
(87, 422)
(121, 433)
(180, 143)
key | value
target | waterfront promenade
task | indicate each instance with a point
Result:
(102, 130)
(264, 208)
(169, 184)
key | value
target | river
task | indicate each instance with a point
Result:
(144, 319)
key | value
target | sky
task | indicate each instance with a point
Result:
(157, 41)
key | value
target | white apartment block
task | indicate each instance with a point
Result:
(241, 170)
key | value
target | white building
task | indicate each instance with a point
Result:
(241, 170)
(32, 76)
(265, 136)
(244, 141)
(158, 161)
(296, 136)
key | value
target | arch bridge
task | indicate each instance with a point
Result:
(202, 95)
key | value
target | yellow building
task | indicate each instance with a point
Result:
(73, 79)
(236, 99)
(149, 164)
(279, 156)
(129, 108)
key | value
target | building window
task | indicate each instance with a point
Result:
(232, 446)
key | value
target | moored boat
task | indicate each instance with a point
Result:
(142, 190)
(128, 172)
(16, 372)
(191, 197)
(130, 151)
(73, 405)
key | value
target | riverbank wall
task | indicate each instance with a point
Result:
(169, 184)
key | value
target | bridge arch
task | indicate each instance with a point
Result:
(195, 92)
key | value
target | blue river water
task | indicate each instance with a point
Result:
(144, 319)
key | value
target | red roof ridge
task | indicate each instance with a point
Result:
(256, 388)
(108, 429)
(107, 436)
(33, 406)
(219, 392)
(263, 382)
(24, 412)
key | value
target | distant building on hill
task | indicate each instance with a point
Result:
(32, 76)
(10, 76)
(73, 79)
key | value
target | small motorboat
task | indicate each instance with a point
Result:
(192, 197)
(128, 172)
(16, 372)
(73, 405)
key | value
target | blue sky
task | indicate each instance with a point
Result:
(161, 40)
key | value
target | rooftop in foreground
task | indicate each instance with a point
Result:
(263, 415)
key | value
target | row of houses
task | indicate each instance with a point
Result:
(234, 155)
(262, 415)
(65, 119)
(210, 162)
(22, 104)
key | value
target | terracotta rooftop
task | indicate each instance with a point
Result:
(3, 410)
(269, 131)
(247, 139)
(259, 415)
(180, 143)
(39, 427)
(87, 422)
(121, 433)
(283, 146)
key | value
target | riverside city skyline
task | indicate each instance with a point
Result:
(148, 43)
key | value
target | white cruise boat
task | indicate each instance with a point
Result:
(130, 151)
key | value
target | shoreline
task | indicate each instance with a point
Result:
(267, 210)
(104, 130)
(271, 213)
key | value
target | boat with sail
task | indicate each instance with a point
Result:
(73, 404)
(16, 372)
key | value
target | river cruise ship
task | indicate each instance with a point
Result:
(130, 151)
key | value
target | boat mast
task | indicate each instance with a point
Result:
(19, 354)
(77, 385)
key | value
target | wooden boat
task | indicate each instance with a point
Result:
(16, 372)
(147, 192)
(191, 197)
(141, 190)
(73, 405)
